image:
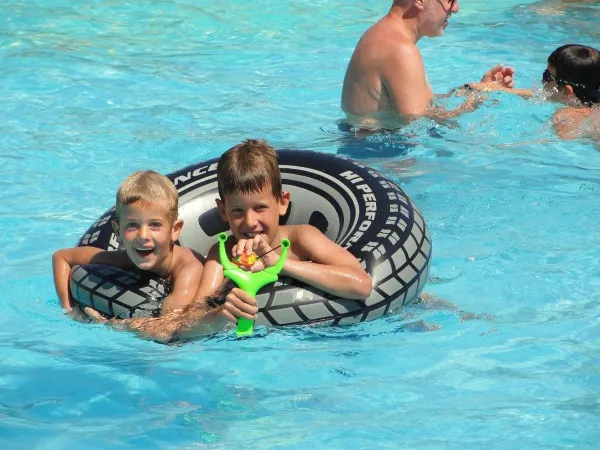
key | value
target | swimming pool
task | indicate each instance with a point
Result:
(94, 90)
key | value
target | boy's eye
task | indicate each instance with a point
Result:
(131, 226)
(261, 207)
(237, 211)
(155, 225)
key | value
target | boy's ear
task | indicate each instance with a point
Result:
(568, 90)
(284, 203)
(176, 230)
(115, 227)
(222, 210)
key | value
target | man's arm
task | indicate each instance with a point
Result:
(64, 259)
(501, 74)
(406, 83)
(404, 80)
(442, 115)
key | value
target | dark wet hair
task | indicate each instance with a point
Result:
(579, 67)
(249, 167)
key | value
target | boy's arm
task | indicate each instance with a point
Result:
(236, 304)
(333, 269)
(212, 275)
(200, 318)
(196, 319)
(490, 86)
(64, 259)
(186, 281)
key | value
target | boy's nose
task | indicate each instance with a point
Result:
(250, 218)
(143, 233)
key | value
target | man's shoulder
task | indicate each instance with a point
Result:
(387, 35)
(383, 46)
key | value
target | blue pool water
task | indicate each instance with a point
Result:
(94, 90)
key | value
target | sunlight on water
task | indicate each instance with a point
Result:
(504, 352)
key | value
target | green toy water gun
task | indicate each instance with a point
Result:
(250, 282)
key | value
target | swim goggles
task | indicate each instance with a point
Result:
(547, 77)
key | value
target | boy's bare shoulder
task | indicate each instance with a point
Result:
(300, 230)
(304, 234)
(188, 259)
(569, 122)
(213, 252)
(572, 113)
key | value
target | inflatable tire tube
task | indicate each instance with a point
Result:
(351, 203)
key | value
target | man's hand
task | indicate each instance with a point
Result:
(500, 74)
(239, 304)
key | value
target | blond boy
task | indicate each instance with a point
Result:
(147, 227)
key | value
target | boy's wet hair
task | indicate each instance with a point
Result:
(579, 67)
(249, 167)
(150, 188)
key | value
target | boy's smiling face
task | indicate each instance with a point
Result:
(255, 213)
(147, 233)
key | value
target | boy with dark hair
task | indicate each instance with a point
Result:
(576, 68)
(252, 201)
(572, 77)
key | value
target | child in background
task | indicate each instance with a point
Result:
(572, 77)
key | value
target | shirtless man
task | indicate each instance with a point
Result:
(385, 84)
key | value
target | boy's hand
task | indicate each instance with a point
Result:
(94, 315)
(487, 86)
(259, 246)
(77, 314)
(239, 304)
(500, 74)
